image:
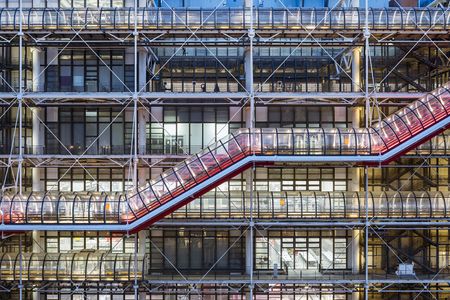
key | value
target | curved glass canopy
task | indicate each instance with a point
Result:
(307, 206)
(391, 18)
(78, 209)
(391, 137)
(80, 266)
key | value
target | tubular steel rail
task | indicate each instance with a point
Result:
(88, 267)
(61, 19)
(381, 143)
(80, 266)
(309, 206)
(103, 208)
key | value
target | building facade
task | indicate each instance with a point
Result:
(225, 149)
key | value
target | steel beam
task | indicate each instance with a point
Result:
(46, 96)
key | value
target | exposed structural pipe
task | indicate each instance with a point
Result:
(38, 146)
(380, 144)
(54, 96)
(368, 122)
(355, 175)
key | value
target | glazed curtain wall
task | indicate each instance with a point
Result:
(194, 69)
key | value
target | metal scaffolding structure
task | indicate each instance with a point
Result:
(413, 130)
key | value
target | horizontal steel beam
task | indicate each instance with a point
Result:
(220, 95)
(319, 279)
(121, 95)
(326, 223)
(120, 227)
(339, 95)
(282, 40)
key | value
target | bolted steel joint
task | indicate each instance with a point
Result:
(366, 33)
(251, 33)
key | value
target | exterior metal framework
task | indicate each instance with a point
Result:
(249, 26)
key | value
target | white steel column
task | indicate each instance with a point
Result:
(37, 185)
(37, 248)
(20, 109)
(143, 120)
(135, 143)
(356, 69)
(354, 186)
(38, 144)
(37, 138)
(366, 170)
(142, 78)
(135, 106)
(36, 64)
(143, 115)
(249, 111)
(248, 249)
(250, 123)
(142, 239)
(38, 135)
(354, 172)
(20, 161)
